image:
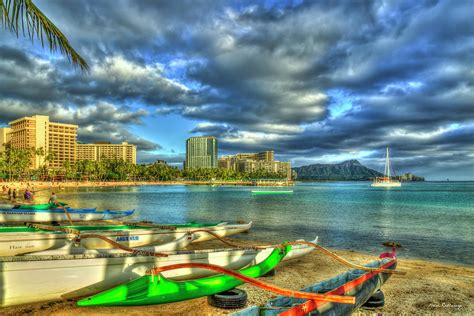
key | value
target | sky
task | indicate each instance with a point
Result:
(315, 81)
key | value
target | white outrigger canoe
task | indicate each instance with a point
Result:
(21, 213)
(21, 239)
(28, 279)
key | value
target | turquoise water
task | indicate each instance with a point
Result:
(432, 220)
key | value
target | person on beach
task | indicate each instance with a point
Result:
(52, 198)
(14, 195)
(28, 195)
(9, 193)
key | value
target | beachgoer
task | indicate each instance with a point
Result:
(52, 198)
(28, 195)
(14, 194)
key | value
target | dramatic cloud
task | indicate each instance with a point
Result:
(316, 81)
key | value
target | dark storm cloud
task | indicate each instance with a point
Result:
(19, 58)
(100, 122)
(114, 133)
(308, 80)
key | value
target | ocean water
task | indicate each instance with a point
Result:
(432, 220)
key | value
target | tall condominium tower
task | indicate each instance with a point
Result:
(35, 132)
(201, 152)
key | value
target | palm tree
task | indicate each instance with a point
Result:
(24, 15)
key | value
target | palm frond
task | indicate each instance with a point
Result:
(25, 16)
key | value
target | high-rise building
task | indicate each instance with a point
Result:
(201, 152)
(4, 137)
(266, 155)
(36, 132)
(251, 162)
(106, 150)
(280, 167)
(260, 156)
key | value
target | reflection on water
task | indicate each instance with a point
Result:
(431, 220)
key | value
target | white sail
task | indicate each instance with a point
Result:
(386, 180)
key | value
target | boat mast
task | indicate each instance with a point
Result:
(387, 165)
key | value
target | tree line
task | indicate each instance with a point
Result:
(15, 164)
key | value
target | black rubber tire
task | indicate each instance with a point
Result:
(375, 301)
(270, 273)
(374, 304)
(377, 296)
(230, 299)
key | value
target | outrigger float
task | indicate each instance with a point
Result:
(59, 277)
(19, 240)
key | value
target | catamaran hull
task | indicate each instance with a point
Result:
(31, 279)
(12, 244)
(58, 215)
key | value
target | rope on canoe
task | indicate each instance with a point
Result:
(55, 228)
(325, 251)
(255, 282)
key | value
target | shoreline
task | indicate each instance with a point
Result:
(77, 184)
(427, 288)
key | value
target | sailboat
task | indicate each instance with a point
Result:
(386, 181)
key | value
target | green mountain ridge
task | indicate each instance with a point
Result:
(350, 170)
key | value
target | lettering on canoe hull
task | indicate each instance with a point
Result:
(17, 213)
(127, 238)
(27, 246)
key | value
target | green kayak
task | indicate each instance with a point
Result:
(152, 289)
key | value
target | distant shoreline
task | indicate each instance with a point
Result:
(75, 184)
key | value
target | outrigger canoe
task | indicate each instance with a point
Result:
(27, 213)
(360, 284)
(19, 240)
(57, 277)
(156, 289)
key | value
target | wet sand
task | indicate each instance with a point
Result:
(427, 288)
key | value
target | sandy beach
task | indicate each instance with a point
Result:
(427, 288)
